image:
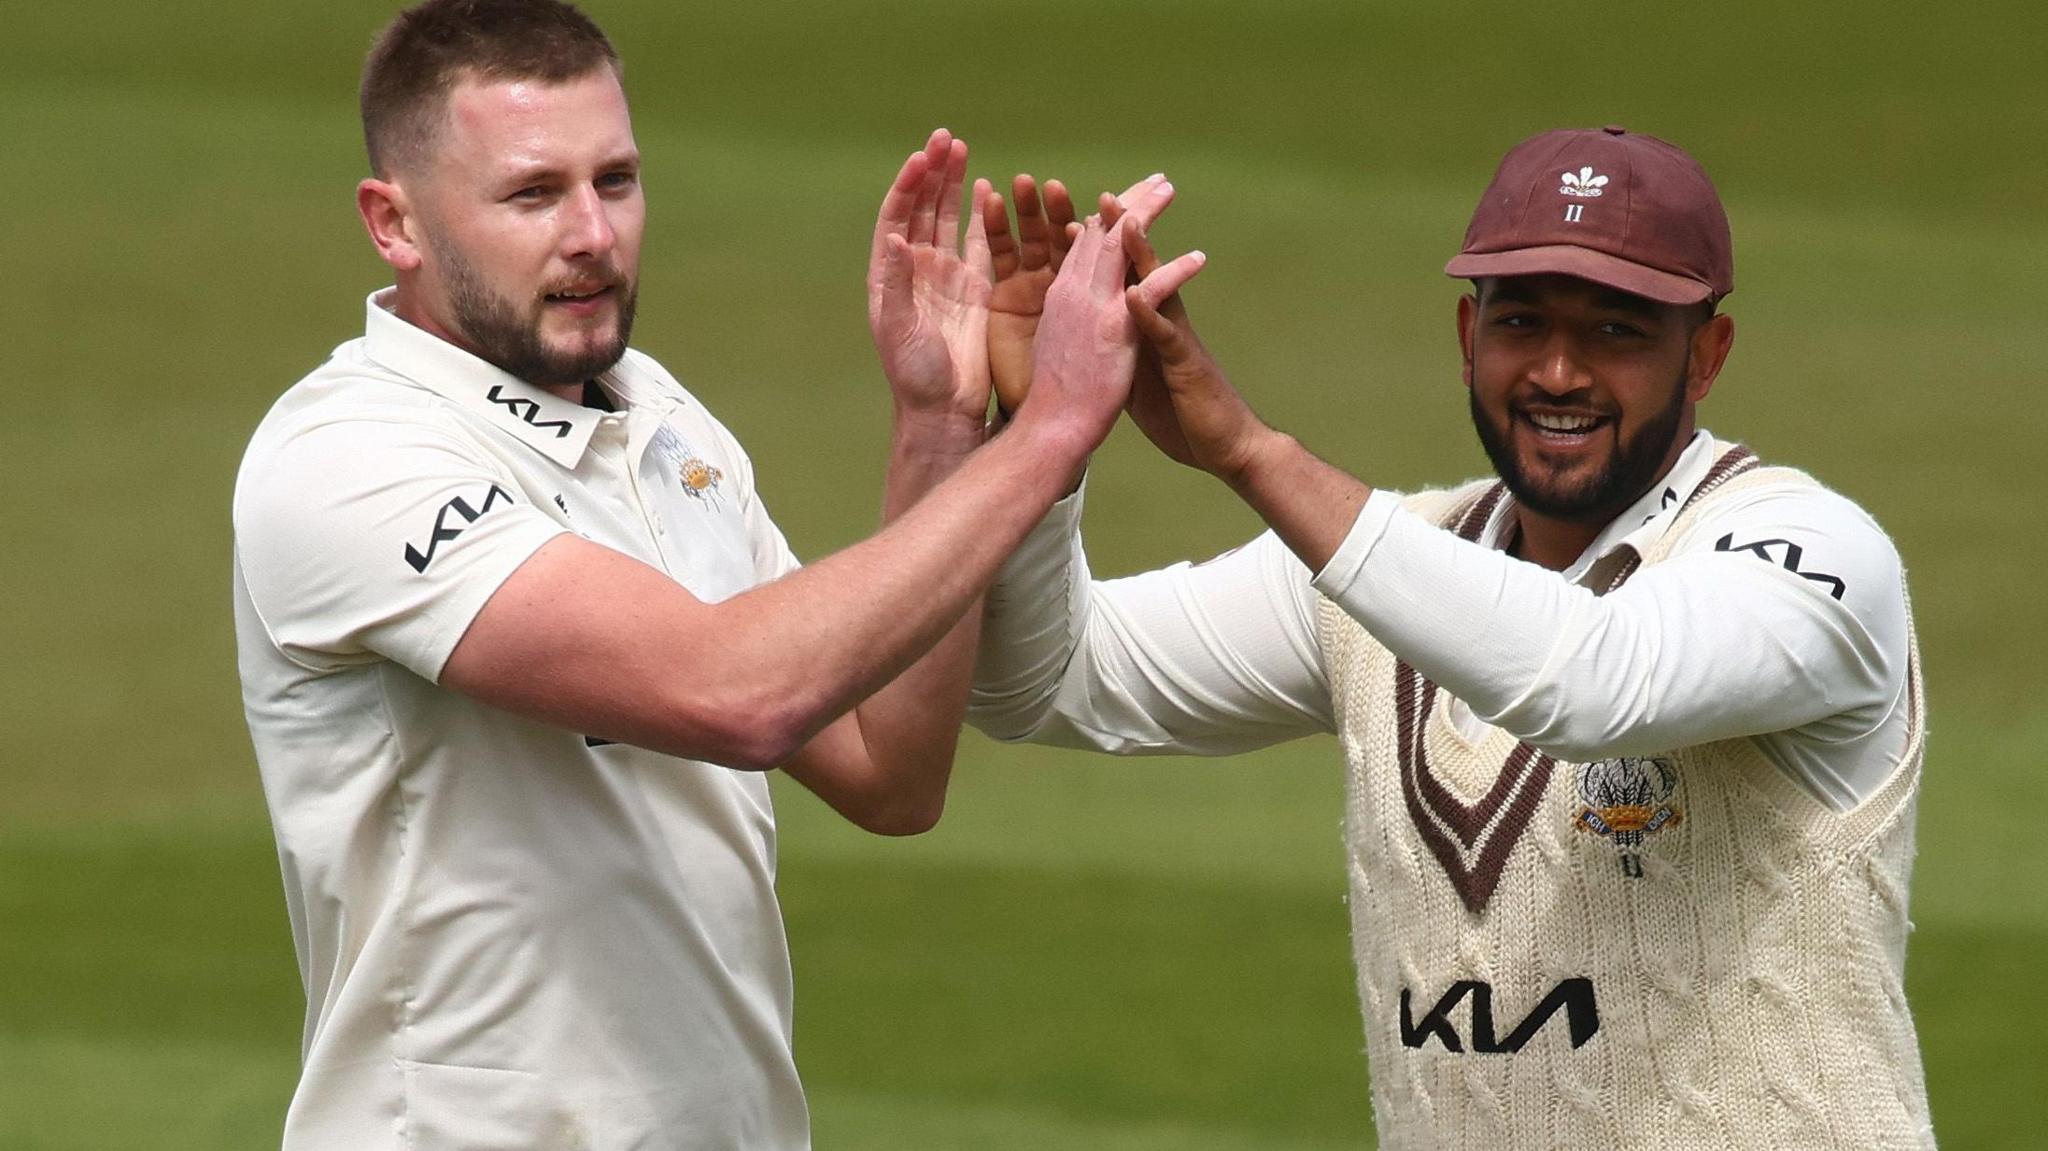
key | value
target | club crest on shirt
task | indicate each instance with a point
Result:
(1626, 800)
(700, 480)
(698, 477)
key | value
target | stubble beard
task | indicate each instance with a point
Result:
(1626, 474)
(499, 333)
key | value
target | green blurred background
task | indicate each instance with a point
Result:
(1085, 953)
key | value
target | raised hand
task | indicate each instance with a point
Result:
(928, 292)
(1024, 266)
(1026, 263)
(1189, 409)
(1150, 405)
(1087, 335)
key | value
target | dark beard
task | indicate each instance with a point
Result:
(1628, 473)
(500, 335)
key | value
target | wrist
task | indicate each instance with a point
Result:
(1263, 453)
(1059, 440)
(942, 430)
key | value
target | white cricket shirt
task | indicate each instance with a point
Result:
(1781, 616)
(511, 936)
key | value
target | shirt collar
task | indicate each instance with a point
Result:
(549, 424)
(1638, 525)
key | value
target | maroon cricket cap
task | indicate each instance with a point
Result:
(1628, 211)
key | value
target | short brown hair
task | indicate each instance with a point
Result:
(430, 47)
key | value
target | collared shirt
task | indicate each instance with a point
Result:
(510, 935)
(1781, 616)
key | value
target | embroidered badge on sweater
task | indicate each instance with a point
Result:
(1626, 800)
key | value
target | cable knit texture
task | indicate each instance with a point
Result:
(1745, 946)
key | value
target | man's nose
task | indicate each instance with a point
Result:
(586, 226)
(1559, 371)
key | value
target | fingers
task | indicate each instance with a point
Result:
(1106, 274)
(994, 218)
(1109, 208)
(980, 261)
(1046, 229)
(1059, 216)
(1144, 261)
(1157, 329)
(1169, 278)
(1147, 199)
(897, 207)
(1146, 297)
(924, 213)
(1034, 234)
(947, 232)
(1084, 253)
(1139, 206)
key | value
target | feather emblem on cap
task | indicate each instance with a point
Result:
(1582, 183)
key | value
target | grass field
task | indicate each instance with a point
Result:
(1085, 954)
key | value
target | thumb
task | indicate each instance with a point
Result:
(1147, 296)
(896, 266)
(979, 259)
(892, 312)
(1157, 329)
(1144, 261)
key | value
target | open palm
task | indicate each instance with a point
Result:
(928, 292)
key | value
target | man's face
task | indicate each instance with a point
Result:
(1582, 395)
(530, 215)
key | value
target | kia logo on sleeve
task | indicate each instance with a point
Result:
(443, 531)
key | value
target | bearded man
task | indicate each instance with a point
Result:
(1633, 732)
(519, 640)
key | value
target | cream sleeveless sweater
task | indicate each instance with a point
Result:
(1673, 951)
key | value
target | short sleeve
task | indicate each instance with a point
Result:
(368, 539)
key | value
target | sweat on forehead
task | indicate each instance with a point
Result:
(431, 47)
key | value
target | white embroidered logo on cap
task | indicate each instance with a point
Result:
(1582, 183)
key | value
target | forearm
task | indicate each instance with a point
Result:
(1308, 503)
(1213, 658)
(825, 637)
(908, 730)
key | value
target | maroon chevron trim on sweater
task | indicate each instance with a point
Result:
(1733, 462)
(1472, 841)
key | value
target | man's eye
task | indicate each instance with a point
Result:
(1515, 320)
(1617, 328)
(618, 181)
(528, 194)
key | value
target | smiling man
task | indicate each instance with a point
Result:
(1633, 732)
(519, 641)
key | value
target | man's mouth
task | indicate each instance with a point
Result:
(1564, 429)
(577, 294)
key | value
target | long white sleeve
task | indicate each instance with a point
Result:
(1733, 635)
(1736, 634)
(1204, 659)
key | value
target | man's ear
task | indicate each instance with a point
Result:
(1468, 317)
(387, 214)
(1711, 342)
